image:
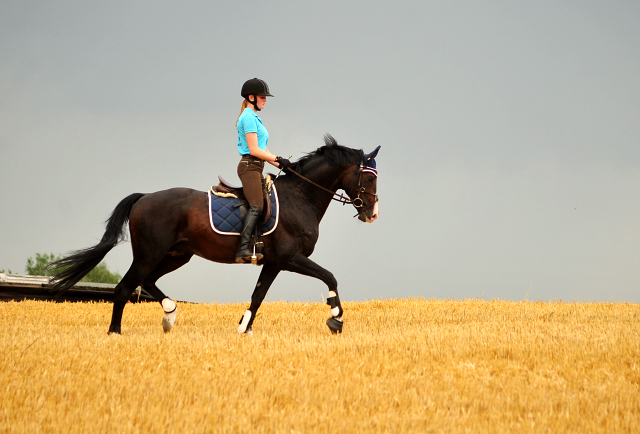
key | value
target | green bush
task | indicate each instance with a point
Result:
(39, 267)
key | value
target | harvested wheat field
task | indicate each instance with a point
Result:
(400, 366)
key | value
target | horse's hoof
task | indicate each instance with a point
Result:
(169, 319)
(335, 325)
(244, 327)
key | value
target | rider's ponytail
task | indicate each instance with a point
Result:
(245, 104)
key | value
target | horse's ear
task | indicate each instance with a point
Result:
(372, 155)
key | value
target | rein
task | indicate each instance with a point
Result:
(335, 196)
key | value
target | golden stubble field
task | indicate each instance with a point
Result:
(400, 366)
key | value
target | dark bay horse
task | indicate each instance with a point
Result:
(168, 227)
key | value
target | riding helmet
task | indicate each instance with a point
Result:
(255, 86)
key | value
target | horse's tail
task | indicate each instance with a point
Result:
(75, 266)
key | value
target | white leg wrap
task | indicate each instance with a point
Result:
(245, 322)
(169, 316)
(168, 305)
(335, 311)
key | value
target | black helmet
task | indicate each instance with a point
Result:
(255, 86)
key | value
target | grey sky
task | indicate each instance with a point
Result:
(509, 132)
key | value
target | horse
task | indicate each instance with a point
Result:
(168, 227)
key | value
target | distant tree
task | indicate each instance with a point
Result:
(8, 271)
(39, 267)
(101, 274)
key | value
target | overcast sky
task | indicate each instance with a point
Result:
(510, 159)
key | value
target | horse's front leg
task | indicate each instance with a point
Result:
(267, 276)
(302, 265)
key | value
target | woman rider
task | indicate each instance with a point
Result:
(252, 145)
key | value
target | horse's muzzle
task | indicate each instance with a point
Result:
(369, 219)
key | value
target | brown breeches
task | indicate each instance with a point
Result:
(250, 174)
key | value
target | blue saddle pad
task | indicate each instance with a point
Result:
(224, 214)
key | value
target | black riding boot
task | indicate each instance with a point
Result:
(251, 220)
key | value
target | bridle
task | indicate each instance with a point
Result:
(357, 203)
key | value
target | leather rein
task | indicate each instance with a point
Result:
(357, 203)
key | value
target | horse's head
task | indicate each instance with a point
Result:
(361, 186)
(333, 167)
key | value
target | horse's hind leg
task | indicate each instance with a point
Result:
(168, 264)
(123, 291)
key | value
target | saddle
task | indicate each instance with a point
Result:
(224, 189)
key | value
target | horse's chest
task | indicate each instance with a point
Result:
(309, 237)
(308, 240)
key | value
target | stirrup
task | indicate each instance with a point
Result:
(256, 257)
(251, 257)
(257, 252)
(243, 259)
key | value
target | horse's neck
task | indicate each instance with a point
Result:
(325, 175)
(322, 174)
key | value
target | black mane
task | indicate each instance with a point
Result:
(336, 154)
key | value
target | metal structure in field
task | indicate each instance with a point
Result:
(19, 287)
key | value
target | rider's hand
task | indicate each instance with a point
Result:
(283, 163)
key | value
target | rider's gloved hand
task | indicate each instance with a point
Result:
(283, 163)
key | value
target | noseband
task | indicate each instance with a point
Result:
(357, 203)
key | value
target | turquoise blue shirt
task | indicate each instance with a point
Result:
(249, 122)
